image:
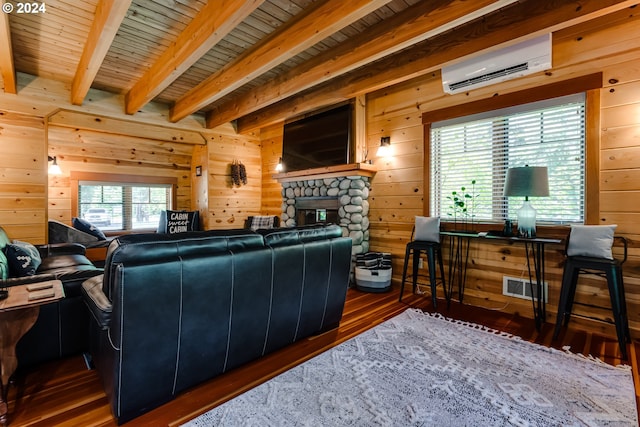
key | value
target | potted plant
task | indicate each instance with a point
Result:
(462, 208)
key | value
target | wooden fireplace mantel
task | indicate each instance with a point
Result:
(351, 169)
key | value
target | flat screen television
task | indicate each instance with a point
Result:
(320, 140)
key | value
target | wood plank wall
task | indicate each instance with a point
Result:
(271, 140)
(23, 176)
(221, 204)
(228, 204)
(81, 150)
(200, 184)
(611, 46)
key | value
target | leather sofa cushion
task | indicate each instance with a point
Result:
(154, 248)
(307, 233)
(64, 263)
(320, 233)
(158, 246)
(55, 249)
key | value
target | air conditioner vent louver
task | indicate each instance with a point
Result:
(508, 63)
(490, 76)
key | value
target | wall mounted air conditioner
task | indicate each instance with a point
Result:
(509, 63)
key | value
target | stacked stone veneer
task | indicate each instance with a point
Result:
(352, 193)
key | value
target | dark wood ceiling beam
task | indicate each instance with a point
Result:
(413, 25)
(108, 17)
(321, 22)
(6, 55)
(528, 18)
(212, 24)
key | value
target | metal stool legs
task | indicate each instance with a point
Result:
(619, 307)
(613, 274)
(432, 251)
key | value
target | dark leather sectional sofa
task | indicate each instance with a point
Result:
(62, 328)
(172, 311)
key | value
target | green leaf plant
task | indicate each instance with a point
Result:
(462, 207)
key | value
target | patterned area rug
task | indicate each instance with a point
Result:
(419, 369)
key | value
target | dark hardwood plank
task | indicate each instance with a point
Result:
(65, 393)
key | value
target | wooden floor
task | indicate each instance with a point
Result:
(66, 393)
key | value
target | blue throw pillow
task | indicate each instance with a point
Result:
(24, 259)
(87, 227)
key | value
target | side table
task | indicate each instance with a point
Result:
(18, 313)
(534, 253)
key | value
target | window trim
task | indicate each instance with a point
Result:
(118, 179)
(589, 84)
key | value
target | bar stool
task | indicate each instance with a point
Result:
(609, 268)
(432, 249)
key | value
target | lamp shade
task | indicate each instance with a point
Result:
(527, 181)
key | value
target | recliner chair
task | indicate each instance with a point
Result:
(62, 328)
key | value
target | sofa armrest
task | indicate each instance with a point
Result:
(25, 280)
(99, 305)
(55, 249)
(60, 232)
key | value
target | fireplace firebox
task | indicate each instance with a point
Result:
(313, 210)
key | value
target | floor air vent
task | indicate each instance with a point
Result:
(519, 287)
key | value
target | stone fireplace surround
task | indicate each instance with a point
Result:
(352, 194)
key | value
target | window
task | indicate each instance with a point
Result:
(117, 205)
(475, 152)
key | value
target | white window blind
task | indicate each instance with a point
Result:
(470, 156)
(127, 206)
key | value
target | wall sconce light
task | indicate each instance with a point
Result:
(54, 169)
(279, 166)
(385, 147)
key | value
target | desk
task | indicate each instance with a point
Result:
(534, 249)
(17, 316)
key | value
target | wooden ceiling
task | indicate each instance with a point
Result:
(254, 62)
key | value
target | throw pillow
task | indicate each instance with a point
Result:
(591, 240)
(173, 222)
(427, 229)
(262, 222)
(24, 259)
(4, 239)
(87, 227)
(4, 267)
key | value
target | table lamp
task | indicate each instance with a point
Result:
(527, 181)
